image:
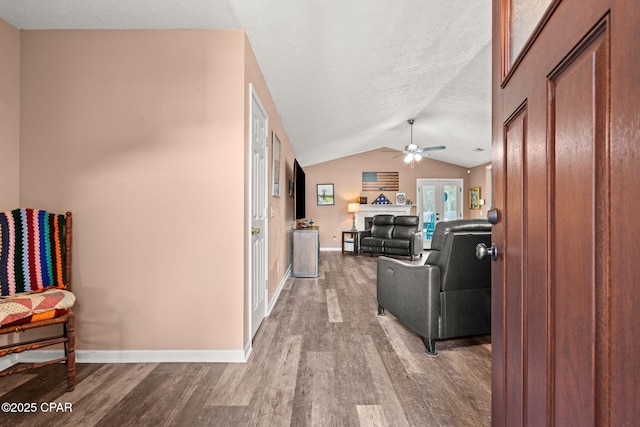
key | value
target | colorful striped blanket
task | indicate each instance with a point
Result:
(31, 251)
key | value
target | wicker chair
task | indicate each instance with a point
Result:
(35, 279)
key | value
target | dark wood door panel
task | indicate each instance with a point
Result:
(578, 134)
(515, 147)
(566, 135)
(625, 206)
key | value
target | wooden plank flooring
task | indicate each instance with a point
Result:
(322, 358)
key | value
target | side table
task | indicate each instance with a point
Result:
(355, 237)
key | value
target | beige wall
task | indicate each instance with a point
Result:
(479, 176)
(346, 175)
(9, 116)
(142, 135)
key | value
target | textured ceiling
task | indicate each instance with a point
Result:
(345, 75)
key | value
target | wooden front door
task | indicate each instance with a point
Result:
(566, 284)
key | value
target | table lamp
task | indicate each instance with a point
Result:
(353, 208)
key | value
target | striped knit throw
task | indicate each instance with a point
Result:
(31, 251)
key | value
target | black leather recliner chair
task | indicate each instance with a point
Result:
(449, 296)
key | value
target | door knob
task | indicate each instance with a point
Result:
(255, 230)
(492, 216)
(482, 251)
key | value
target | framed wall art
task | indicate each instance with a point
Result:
(275, 164)
(380, 181)
(474, 198)
(325, 194)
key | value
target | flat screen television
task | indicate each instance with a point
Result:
(299, 194)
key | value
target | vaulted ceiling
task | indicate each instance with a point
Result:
(345, 75)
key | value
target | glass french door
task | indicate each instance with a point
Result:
(437, 200)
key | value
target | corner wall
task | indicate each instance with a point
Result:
(9, 116)
(141, 135)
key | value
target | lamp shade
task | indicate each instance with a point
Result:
(353, 207)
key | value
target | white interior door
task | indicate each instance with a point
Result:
(259, 179)
(438, 200)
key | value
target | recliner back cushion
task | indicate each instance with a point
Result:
(459, 267)
(405, 226)
(381, 231)
(445, 227)
(407, 220)
(382, 226)
(401, 232)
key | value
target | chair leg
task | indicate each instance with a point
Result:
(381, 310)
(70, 351)
(430, 347)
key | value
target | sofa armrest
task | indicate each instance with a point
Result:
(411, 293)
(415, 245)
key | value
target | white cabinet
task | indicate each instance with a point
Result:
(306, 252)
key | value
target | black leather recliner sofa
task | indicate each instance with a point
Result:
(449, 296)
(393, 235)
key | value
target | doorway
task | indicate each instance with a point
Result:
(258, 208)
(437, 200)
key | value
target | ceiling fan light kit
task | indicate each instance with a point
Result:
(412, 157)
(413, 153)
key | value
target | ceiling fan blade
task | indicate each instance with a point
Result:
(434, 148)
(402, 154)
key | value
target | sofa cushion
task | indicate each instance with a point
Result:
(404, 233)
(397, 243)
(374, 242)
(382, 231)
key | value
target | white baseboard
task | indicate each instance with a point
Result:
(331, 249)
(276, 294)
(8, 361)
(139, 356)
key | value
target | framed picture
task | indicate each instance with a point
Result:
(325, 194)
(291, 188)
(363, 200)
(275, 164)
(474, 198)
(401, 198)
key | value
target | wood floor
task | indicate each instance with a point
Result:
(322, 358)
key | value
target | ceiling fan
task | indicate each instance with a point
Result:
(412, 153)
